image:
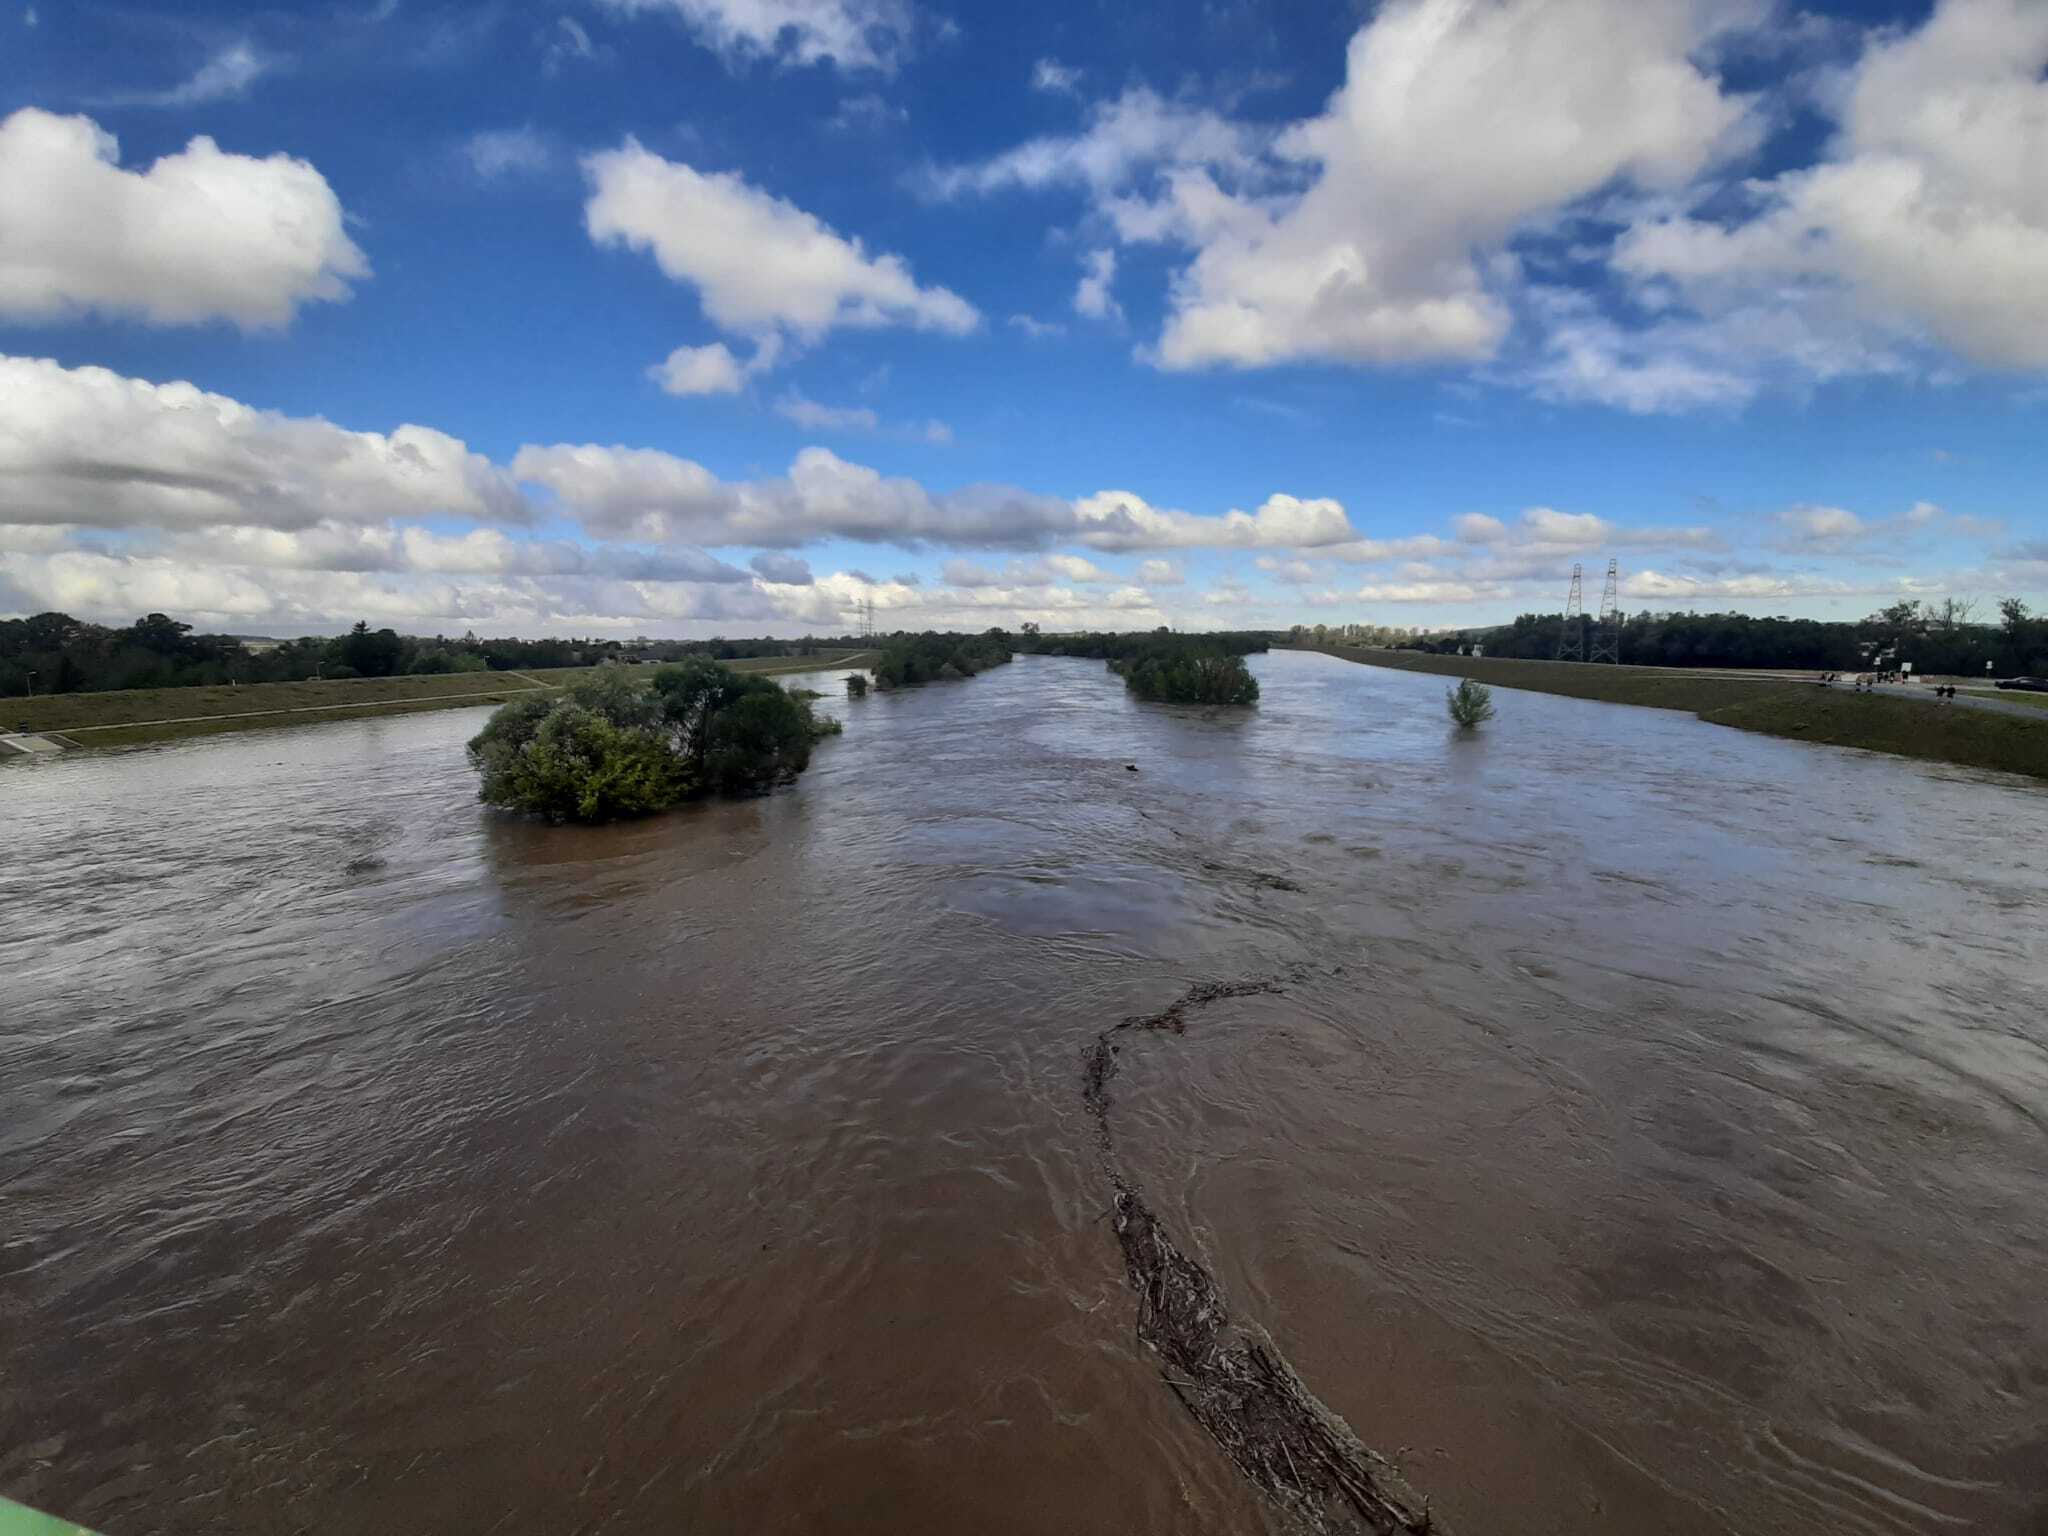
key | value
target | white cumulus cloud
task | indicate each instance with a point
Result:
(1927, 214)
(762, 267)
(90, 447)
(1121, 520)
(201, 235)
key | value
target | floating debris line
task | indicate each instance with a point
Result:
(1293, 1449)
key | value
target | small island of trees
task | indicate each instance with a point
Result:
(1167, 668)
(928, 658)
(608, 747)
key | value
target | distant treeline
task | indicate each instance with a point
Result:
(55, 653)
(929, 658)
(1942, 638)
(1167, 668)
(1131, 643)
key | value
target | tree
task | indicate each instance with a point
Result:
(560, 758)
(372, 653)
(1953, 614)
(1470, 704)
(2014, 612)
(158, 632)
(606, 748)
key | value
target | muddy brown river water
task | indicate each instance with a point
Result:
(1649, 1132)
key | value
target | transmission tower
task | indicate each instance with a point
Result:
(1571, 645)
(1607, 639)
(867, 619)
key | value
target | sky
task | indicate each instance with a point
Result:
(695, 317)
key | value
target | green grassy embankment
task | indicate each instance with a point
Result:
(1798, 711)
(128, 716)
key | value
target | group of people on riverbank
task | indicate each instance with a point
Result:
(1869, 682)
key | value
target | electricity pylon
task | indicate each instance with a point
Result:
(1607, 639)
(1571, 644)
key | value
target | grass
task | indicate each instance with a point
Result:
(1798, 711)
(1651, 687)
(1975, 738)
(128, 716)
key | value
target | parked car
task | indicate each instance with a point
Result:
(2025, 684)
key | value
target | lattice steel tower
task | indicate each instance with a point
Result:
(1571, 645)
(1607, 639)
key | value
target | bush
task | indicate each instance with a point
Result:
(856, 685)
(913, 659)
(1470, 704)
(1188, 675)
(1168, 668)
(606, 748)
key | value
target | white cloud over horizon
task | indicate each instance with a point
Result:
(120, 495)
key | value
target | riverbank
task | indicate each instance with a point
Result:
(1771, 705)
(131, 716)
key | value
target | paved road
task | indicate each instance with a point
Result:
(1921, 693)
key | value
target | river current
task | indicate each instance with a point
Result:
(1648, 1132)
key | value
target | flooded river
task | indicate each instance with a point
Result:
(1649, 1132)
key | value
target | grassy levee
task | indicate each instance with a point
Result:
(1798, 711)
(131, 707)
(129, 716)
(1651, 687)
(1974, 738)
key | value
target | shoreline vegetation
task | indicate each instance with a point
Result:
(908, 660)
(1165, 668)
(607, 748)
(1771, 706)
(130, 717)
(53, 652)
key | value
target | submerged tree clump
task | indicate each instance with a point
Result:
(1470, 704)
(930, 658)
(1186, 671)
(1168, 668)
(606, 747)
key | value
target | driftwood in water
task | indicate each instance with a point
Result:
(1290, 1447)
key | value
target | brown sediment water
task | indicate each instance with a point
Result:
(1646, 1130)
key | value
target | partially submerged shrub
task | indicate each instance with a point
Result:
(1186, 670)
(606, 747)
(1470, 704)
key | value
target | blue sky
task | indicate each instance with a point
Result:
(697, 316)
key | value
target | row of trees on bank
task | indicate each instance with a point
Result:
(1937, 638)
(56, 653)
(619, 744)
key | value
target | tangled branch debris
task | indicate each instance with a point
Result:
(1290, 1447)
